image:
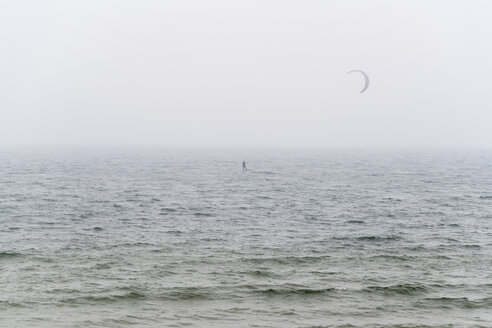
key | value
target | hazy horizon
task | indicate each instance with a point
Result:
(250, 74)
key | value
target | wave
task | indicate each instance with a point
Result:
(356, 221)
(174, 232)
(188, 294)
(105, 298)
(378, 238)
(295, 291)
(202, 214)
(262, 273)
(392, 199)
(398, 258)
(460, 302)
(10, 255)
(137, 294)
(401, 289)
(471, 246)
(9, 304)
(168, 209)
(287, 260)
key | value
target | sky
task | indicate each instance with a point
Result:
(256, 73)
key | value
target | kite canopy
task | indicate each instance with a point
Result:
(365, 77)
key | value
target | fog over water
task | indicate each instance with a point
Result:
(246, 73)
(123, 201)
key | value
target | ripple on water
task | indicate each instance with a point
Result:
(164, 238)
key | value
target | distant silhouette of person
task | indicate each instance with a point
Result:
(244, 166)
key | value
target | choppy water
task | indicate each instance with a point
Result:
(303, 239)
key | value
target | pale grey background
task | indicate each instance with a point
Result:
(246, 73)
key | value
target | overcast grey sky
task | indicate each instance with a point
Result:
(246, 73)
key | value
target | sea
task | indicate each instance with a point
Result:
(117, 237)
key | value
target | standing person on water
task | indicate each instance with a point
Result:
(244, 166)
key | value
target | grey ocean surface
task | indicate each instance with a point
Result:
(175, 238)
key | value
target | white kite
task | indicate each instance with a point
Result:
(365, 77)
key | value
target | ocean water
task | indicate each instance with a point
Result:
(184, 238)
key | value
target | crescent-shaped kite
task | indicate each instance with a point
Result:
(365, 77)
